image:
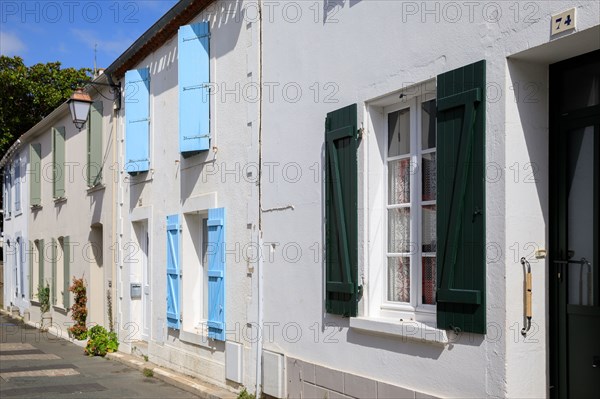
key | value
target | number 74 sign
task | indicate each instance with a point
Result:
(563, 22)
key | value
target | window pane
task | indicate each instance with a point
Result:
(429, 280)
(399, 181)
(399, 279)
(399, 133)
(428, 115)
(429, 232)
(429, 176)
(399, 230)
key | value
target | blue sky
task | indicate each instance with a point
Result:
(67, 31)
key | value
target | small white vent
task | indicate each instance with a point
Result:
(234, 361)
(273, 374)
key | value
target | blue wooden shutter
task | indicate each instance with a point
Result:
(341, 182)
(216, 273)
(173, 271)
(137, 120)
(194, 77)
(461, 199)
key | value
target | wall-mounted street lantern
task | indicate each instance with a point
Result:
(80, 102)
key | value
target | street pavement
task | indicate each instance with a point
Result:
(34, 364)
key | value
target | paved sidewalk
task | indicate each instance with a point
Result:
(35, 364)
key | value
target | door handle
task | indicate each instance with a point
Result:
(596, 362)
(582, 261)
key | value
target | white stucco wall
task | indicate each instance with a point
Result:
(368, 49)
(177, 185)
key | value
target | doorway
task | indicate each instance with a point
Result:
(575, 215)
(94, 253)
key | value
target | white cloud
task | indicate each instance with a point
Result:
(10, 44)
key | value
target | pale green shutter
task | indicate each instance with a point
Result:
(41, 264)
(94, 142)
(31, 256)
(35, 160)
(54, 282)
(58, 162)
(66, 271)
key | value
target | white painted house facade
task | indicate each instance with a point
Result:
(67, 208)
(344, 199)
(181, 222)
(426, 260)
(15, 212)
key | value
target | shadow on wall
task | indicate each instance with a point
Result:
(331, 7)
(530, 88)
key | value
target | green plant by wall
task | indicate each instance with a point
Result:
(148, 372)
(100, 342)
(110, 313)
(44, 298)
(79, 309)
(244, 394)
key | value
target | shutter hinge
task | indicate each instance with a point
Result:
(361, 133)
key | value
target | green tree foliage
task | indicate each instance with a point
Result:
(31, 93)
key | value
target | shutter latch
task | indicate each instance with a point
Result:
(475, 213)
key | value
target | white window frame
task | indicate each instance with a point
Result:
(197, 269)
(377, 304)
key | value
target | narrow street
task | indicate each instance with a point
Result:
(35, 365)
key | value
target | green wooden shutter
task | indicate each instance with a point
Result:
(461, 199)
(341, 141)
(30, 255)
(66, 271)
(58, 162)
(35, 188)
(94, 142)
(53, 286)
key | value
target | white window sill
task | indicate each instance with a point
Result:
(408, 330)
(199, 337)
(97, 187)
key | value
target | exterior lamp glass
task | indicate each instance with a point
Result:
(79, 104)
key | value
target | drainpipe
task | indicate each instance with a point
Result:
(259, 272)
(117, 225)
